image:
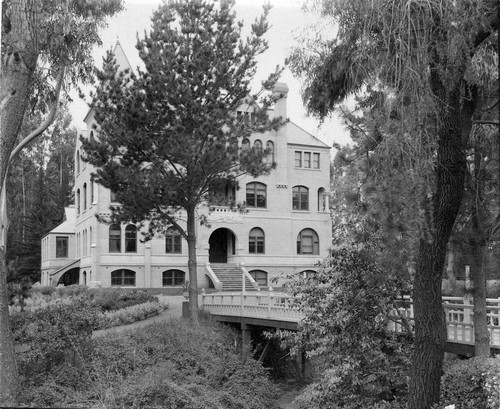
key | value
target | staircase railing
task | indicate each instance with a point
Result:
(248, 276)
(215, 280)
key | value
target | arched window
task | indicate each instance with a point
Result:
(307, 242)
(270, 151)
(258, 145)
(173, 241)
(92, 192)
(77, 162)
(256, 194)
(321, 200)
(308, 273)
(84, 196)
(92, 137)
(78, 201)
(90, 238)
(130, 239)
(300, 198)
(245, 144)
(173, 278)
(259, 276)
(84, 243)
(115, 238)
(256, 241)
(123, 277)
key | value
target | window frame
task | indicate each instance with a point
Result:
(123, 278)
(175, 281)
(58, 247)
(252, 191)
(115, 238)
(299, 203)
(131, 238)
(314, 242)
(255, 275)
(256, 242)
(173, 238)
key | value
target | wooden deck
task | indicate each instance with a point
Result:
(276, 309)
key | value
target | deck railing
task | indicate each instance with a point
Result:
(266, 305)
(282, 307)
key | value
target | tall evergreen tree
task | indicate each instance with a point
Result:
(169, 135)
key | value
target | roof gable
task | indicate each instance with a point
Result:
(298, 136)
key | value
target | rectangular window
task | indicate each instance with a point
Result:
(307, 159)
(61, 247)
(315, 160)
(298, 159)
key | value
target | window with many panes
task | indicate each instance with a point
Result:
(115, 235)
(307, 242)
(130, 239)
(300, 198)
(123, 277)
(173, 278)
(61, 247)
(256, 194)
(256, 241)
(173, 241)
(307, 160)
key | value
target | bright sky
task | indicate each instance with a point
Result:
(285, 18)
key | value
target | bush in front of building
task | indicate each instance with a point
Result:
(131, 314)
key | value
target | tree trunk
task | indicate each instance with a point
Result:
(192, 264)
(16, 77)
(450, 273)
(9, 383)
(477, 248)
(430, 324)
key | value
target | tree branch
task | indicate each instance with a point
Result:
(486, 123)
(44, 125)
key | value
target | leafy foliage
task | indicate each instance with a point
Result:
(166, 365)
(471, 384)
(347, 305)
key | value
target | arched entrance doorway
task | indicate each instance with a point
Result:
(222, 242)
(70, 277)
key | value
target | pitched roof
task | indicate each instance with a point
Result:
(123, 64)
(297, 136)
(68, 225)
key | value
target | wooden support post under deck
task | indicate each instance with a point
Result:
(246, 341)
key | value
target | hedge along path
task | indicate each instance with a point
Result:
(174, 310)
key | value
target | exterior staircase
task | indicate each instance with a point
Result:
(230, 275)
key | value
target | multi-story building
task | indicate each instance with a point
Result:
(286, 228)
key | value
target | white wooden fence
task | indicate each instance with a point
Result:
(281, 307)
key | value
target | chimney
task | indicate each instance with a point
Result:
(280, 92)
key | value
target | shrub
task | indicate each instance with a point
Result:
(471, 384)
(111, 299)
(57, 339)
(131, 314)
(177, 365)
